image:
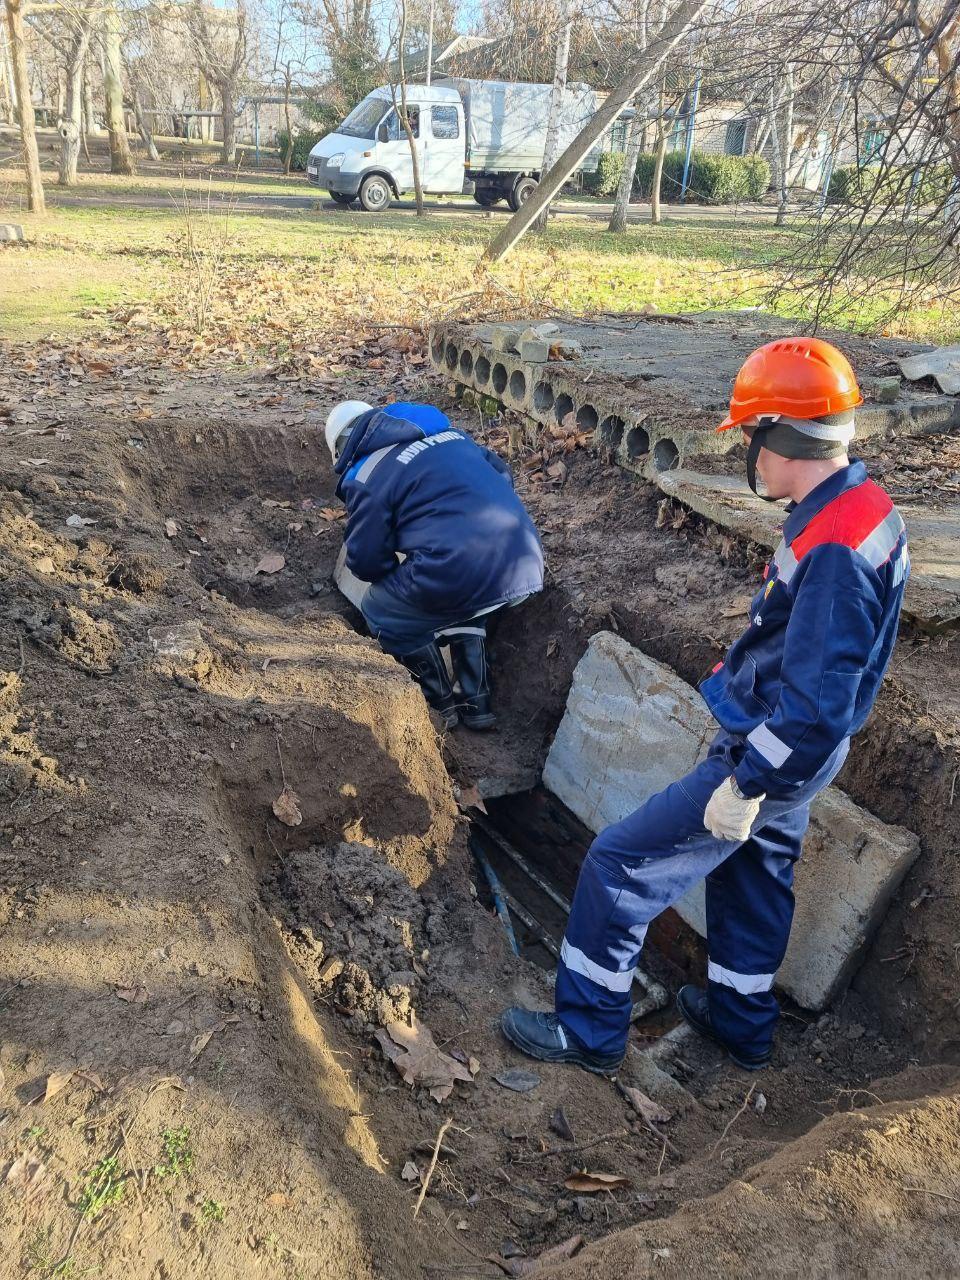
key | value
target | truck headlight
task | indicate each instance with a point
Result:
(334, 162)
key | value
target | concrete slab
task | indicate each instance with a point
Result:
(943, 365)
(932, 598)
(632, 726)
(10, 231)
(348, 583)
(648, 380)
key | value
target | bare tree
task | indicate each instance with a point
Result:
(557, 96)
(21, 81)
(121, 158)
(644, 68)
(70, 124)
(402, 111)
(221, 42)
(892, 237)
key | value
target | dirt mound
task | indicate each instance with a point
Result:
(867, 1193)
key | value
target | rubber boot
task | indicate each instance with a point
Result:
(430, 672)
(468, 653)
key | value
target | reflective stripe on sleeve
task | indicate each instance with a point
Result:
(773, 750)
(879, 544)
(747, 984)
(577, 962)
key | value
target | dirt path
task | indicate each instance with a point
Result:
(194, 996)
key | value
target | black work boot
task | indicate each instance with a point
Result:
(695, 1009)
(468, 653)
(540, 1034)
(430, 672)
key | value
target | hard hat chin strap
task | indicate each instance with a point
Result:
(753, 453)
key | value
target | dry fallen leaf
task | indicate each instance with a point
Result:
(27, 1176)
(286, 808)
(736, 608)
(410, 1172)
(551, 646)
(413, 1051)
(79, 522)
(645, 1106)
(171, 528)
(333, 513)
(273, 562)
(279, 1199)
(470, 798)
(517, 1079)
(56, 1081)
(132, 995)
(200, 1042)
(561, 1126)
(589, 1183)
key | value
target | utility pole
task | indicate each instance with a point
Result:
(681, 17)
(21, 80)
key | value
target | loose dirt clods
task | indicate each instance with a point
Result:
(238, 1012)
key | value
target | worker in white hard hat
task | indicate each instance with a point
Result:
(434, 524)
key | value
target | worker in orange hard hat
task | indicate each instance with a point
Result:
(788, 696)
(795, 398)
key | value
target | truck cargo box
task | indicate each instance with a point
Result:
(507, 123)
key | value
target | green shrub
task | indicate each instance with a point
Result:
(869, 184)
(303, 144)
(713, 179)
(607, 177)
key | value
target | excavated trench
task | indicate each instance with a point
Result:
(241, 495)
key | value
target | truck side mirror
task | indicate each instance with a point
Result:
(383, 134)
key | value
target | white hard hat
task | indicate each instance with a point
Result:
(339, 420)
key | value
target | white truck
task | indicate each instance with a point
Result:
(487, 136)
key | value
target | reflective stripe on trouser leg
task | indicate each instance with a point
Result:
(749, 902)
(634, 870)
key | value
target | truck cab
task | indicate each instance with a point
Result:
(368, 157)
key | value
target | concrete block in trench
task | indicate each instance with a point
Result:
(348, 583)
(632, 726)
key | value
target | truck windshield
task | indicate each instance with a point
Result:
(363, 119)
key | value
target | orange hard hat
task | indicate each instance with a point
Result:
(797, 377)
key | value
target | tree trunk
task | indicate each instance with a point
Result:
(143, 126)
(21, 79)
(288, 156)
(405, 115)
(618, 219)
(658, 163)
(646, 66)
(9, 89)
(786, 147)
(121, 161)
(228, 149)
(556, 105)
(90, 128)
(70, 125)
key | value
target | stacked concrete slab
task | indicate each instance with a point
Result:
(651, 389)
(632, 726)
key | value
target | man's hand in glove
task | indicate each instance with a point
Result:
(730, 815)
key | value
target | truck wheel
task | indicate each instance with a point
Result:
(522, 192)
(486, 197)
(375, 193)
(341, 197)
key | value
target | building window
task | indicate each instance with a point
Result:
(874, 137)
(446, 123)
(618, 135)
(736, 140)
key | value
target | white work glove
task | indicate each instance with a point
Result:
(730, 815)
